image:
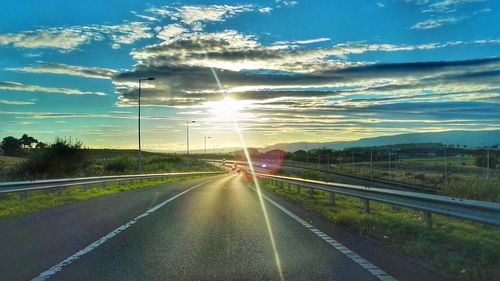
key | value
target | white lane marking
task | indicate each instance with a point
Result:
(370, 267)
(58, 267)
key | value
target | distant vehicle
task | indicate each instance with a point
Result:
(235, 166)
(264, 165)
(238, 170)
(333, 165)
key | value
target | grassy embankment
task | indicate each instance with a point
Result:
(65, 160)
(461, 250)
(16, 204)
(97, 162)
(464, 179)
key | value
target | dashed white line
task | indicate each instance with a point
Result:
(58, 267)
(370, 267)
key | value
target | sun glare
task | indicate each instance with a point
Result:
(227, 108)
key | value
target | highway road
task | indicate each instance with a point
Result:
(211, 228)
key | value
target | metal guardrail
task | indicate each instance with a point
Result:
(27, 186)
(478, 211)
(473, 210)
(374, 180)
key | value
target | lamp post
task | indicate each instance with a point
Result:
(187, 136)
(139, 121)
(206, 150)
(206, 145)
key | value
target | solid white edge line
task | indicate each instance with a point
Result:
(365, 264)
(58, 267)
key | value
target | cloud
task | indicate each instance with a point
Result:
(286, 3)
(90, 72)
(265, 10)
(438, 10)
(170, 32)
(125, 34)
(144, 17)
(70, 38)
(13, 102)
(13, 86)
(433, 23)
(60, 38)
(196, 15)
(447, 5)
(248, 70)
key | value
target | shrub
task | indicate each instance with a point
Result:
(420, 177)
(60, 159)
(120, 164)
(476, 188)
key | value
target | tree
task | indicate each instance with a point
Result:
(27, 141)
(481, 161)
(41, 145)
(11, 146)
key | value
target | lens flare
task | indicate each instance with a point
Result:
(227, 102)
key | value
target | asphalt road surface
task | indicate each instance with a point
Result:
(211, 228)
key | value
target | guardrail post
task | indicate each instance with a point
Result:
(289, 187)
(298, 188)
(311, 193)
(428, 219)
(332, 198)
(366, 205)
(104, 185)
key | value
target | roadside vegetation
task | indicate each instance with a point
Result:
(475, 186)
(16, 204)
(458, 249)
(67, 158)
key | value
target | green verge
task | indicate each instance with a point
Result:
(458, 249)
(15, 205)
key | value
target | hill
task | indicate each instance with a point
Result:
(469, 138)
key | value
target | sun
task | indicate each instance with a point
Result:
(227, 108)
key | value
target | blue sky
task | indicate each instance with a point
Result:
(289, 70)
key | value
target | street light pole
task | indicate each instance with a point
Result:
(139, 122)
(206, 146)
(488, 164)
(445, 167)
(371, 167)
(206, 150)
(187, 136)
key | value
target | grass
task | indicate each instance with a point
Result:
(458, 249)
(15, 205)
(452, 160)
(101, 162)
(471, 184)
(7, 163)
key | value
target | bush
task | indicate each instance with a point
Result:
(482, 161)
(120, 164)
(420, 177)
(312, 175)
(164, 159)
(476, 188)
(62, 158)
